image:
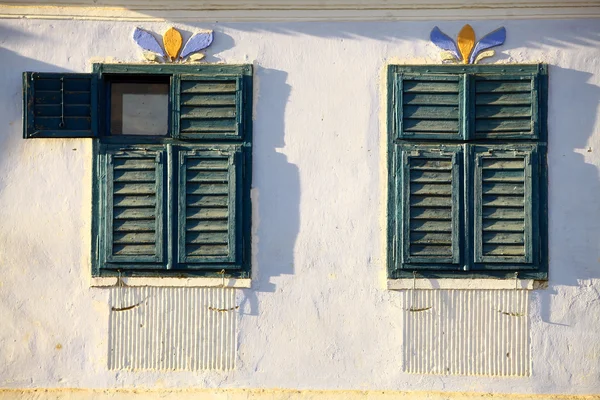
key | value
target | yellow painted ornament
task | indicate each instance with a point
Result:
(466, 41)
(484, 54)
(172, 41)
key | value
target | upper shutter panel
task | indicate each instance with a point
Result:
(505, 206)
(429, 106)
(506, 106)
(209, 210)
(431, 204)
(60, 105)
(209, 107)
(134, 221)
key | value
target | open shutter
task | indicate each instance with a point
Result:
(506, 106)
(133, 204)
(505, 206)
(208, 107)
(209, 208)
(429, 106)
(58, 105)
(431, 198)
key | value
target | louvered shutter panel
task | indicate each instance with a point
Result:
(134, 221)
(431, 203)
(506, 106)
(209, 107)
(429, 106)
(59, 105)
(209, 208)
(505, 209)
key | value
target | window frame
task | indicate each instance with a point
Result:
(396, 197)
(172, 145)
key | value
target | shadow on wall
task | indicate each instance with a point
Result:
(574, 184)
(275, 191)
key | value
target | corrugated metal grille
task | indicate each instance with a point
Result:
(466, 332)
(172, 329)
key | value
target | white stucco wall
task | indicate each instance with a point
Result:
(318, 315)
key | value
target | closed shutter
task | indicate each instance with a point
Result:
(429, 106)
(134, 219)
(209, 213)
(209, 107)
(59, 105)
(506, 106)
(431, 203)
(505, 206)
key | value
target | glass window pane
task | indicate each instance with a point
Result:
(139, 109)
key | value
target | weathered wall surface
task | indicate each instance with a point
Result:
(318, 315)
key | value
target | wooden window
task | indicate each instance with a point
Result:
(467, 171)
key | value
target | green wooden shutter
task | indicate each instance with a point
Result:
(208, 107)
(58, 105)
(133, 204)
(505, 212)
(429, 106)
(506, 106)
(430, 194)
(209, 208)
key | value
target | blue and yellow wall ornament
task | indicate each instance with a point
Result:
(466, 50)
(172, 42)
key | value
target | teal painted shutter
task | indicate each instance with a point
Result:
(506, 106)
(133, 204)
(209, 107)
(209, 208)
(429, 106)
(58, 105)
(430, 196)
(506, 223)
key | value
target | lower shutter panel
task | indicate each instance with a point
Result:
(430, 206)
(208, 212)
(134, 209)
(503, 205)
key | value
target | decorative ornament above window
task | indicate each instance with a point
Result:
(467, 51)
(172, 41)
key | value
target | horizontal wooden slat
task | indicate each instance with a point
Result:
(424, 176)
(70, 123)
(430, 238)
(430, 213)
(502, 111)
(208, 86)
(503, 238)
(409, 86)
(206, 250)
(134, 176)
(503, 188)
(503, 99)
(498, 175)
(134, 163)
(430, 99)
(55, 110)
(207, 112)
(430, 164)
(55, 97)
(503, 213)
(431, 201)
(503, 201)
(134, 201)
(430, 125)
(431, 250)
(503, 125)
(503, 226)
(489, 86)
(194, 225)
(207, 237)
(132, 237)
(208, 125)
(69, 84)
(206, 213)
(207, 176)
(431, 112)
(431, 189)
(206, 201)
(207, 163)
(205, 188)
(134, 188)
(208, 100)
(430, 226)
(503, 250)
(134, 213)
(133, 249)
(503, 163)
(134, 226)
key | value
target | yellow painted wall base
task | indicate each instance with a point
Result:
(270, 394)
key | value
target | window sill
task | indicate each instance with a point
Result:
(466, 284)
(171, 282)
